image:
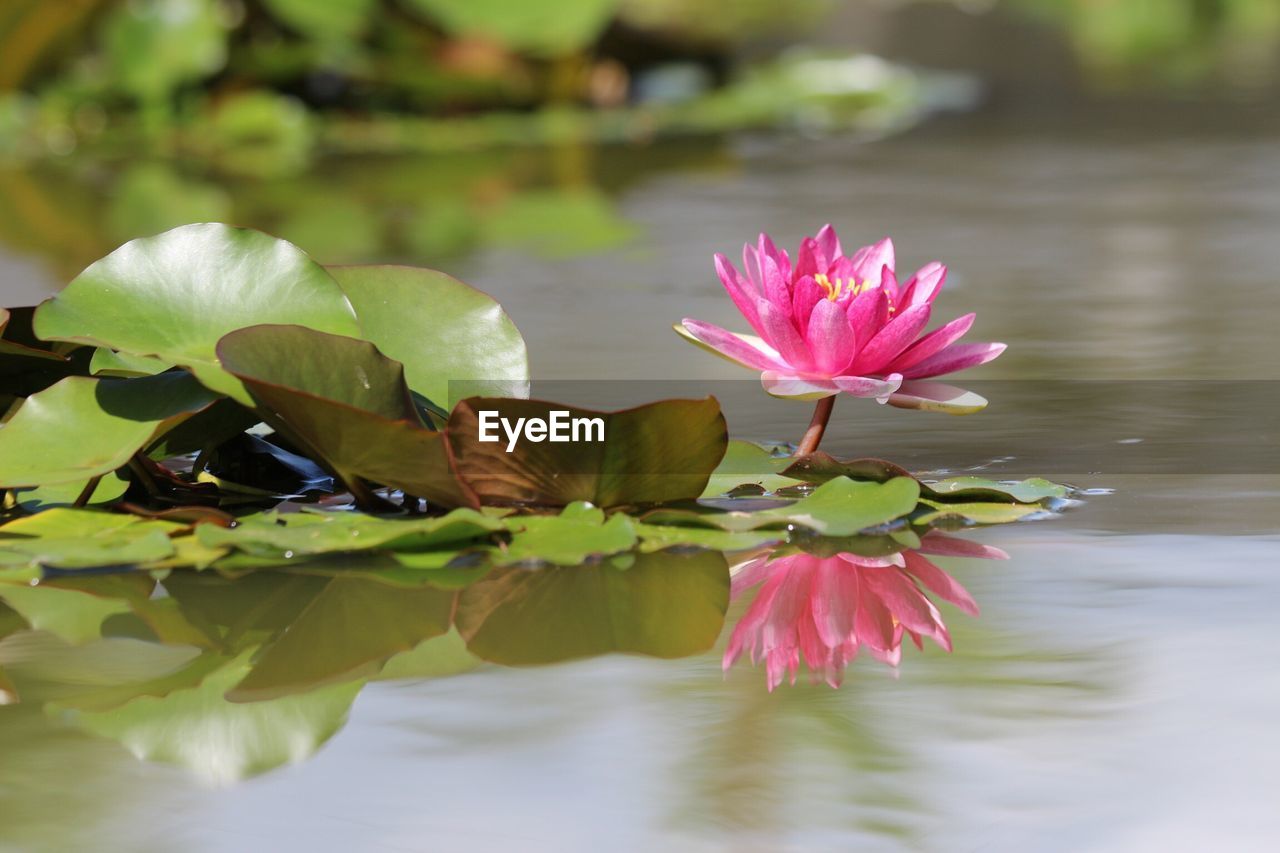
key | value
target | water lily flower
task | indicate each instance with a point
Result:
(831, 323)
(825, 610)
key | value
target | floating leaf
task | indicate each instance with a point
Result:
(839, 507)
(175, 295)
(980, 513)
(660, 452)
(346, 632)
(665, 605)
(440, 329)
(344, 404)
(546, 27)
(82, 427)
(577, 534)
(747, 463)
(81, 538)
(658, 537)
(273, 534)
(74, 615)
(107, 362)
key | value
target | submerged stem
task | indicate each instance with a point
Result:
(817, 426)
(87, 492)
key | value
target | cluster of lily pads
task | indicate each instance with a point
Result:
(212, 397)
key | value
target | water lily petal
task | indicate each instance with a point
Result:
(924, 286)
(889, 284)
(868, 386)
(937, 542)
(804, 296)
(781, 333)
(828, 242)
(940, 583)
(794, 387)
(745, 350)
(953, 358)
(934, 342)
(937, 397)
(868, 312)
(769, 250)
(869, 260)
(896, 336)
(741, 290)
(777, 289)
(810, 260)
(829, 337)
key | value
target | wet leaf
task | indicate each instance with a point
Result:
(175, 295)
(273, 534)
(346, 632)
(83, 427)
(655, 453)
(344, 404)
(665, 605)
(440, 329)
(980, 513)
(747, 463)
(577, 534)
(81, 538)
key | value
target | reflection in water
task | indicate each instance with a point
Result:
(230, 677)
(825, 609)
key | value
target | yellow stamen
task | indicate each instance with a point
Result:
(834, 289)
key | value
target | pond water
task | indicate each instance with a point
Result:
(1118, 691)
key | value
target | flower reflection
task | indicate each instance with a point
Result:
(827, 609)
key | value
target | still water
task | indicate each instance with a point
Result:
(1118, 691)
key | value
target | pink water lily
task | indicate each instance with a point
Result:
(826, 610)
(831, 324)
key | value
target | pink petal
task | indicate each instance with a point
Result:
(873, 622)
(937, 542)
(796, 387)
(729, 345)
(769, 250)
(934, 342)
(868, 312)
(936, 397)
(869, 260)
(953, 358)
(940, 583)
(829, 337)
(868, 386)
(804, 296)
(828, 242)
(778, 330)
(889, 284)
(835, 601)
(923, 287)
(776, 286)
(742, 291)
(903, 599)
(896, 336)
(810, 260)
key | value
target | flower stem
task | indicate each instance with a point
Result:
(817, 426)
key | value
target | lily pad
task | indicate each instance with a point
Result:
(441, 330)
(273, 534)
(15, 337)
(746, 463)
(655, 453)
(578, 533)
(986, 512)
(81, 538)
(71, 614)
(108, 362)
(82, 427)
(173, 296)
(839, 507)
(664, 605)
(346, 405)
(109, 489)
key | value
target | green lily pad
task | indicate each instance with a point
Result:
(273, 534)
(109, 489)
(441, 330)
(82, 427)
(345, 404)
(659, 537)
(746, 463)
(173, 296)
(74, 615)
(543, 27)
(664, 605)
(839, 507)
(577, 534)
(979, 513)
(346, 632)
(81, 538)
(107, 362)
(655, 453)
